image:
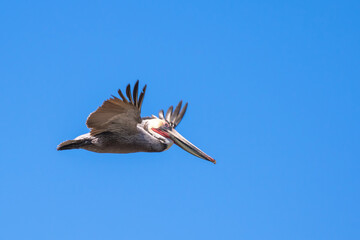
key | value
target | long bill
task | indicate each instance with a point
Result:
(183, 143)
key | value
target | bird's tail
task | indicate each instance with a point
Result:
(73, 144)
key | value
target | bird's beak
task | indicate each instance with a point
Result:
(183, 143)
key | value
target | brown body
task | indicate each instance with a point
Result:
(108, 142)
(116, 127)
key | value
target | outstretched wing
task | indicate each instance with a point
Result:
(173, 117)
(118, 115)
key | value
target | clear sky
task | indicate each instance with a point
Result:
(273, 91)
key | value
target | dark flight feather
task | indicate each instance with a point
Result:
(122, 96)
(169, 113)
(161, 114)
(176, 112)
(128, 94)
(135, 93)
(181, 115)
(141, 98)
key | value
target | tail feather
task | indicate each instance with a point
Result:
(72, 144)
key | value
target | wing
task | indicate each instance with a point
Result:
(118, 115)
(173, 117)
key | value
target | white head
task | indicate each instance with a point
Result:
(164, 131)
(151, 125)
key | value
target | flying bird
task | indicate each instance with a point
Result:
(117, 127)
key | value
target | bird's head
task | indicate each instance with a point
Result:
(152, 126)
(163, 128)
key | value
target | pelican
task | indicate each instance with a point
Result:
(116, 127)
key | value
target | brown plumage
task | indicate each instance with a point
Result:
(117, 127)
(117, 115)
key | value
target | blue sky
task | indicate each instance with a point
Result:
(273, 92)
